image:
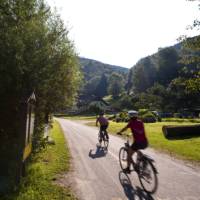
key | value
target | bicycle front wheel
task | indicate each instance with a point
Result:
(106, 143)
(123, 158)
(147, 175)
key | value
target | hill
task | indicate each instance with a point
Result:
(94, 70)
(168, 79)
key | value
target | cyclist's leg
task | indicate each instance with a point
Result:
(101, 133)
(129, 160)
(105, 132)
(137, 146)
(130, 154)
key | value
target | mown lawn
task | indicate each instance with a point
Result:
(183, 148)
(43, 170)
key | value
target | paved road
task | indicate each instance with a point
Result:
(97, 174)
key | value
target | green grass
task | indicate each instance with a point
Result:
(185, 148)
(43, 170)
(181, 120)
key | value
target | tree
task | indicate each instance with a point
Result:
(191, 58)
(36, 55)
(143, 75)
(102, 87)
(116, 84)
(180, 98)
(168, 66)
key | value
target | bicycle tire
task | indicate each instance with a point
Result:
(123, 158)
(100, 139)
(141, 174)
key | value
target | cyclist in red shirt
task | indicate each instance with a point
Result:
(103, 125)
(138, 132)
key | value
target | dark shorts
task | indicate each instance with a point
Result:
(103, 128)
(139, 145)
(103, 131)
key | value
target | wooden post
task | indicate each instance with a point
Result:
(26, 130)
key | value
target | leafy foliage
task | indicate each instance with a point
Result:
(96, 75)
(36, 55)
(116, 85)
(167, 80)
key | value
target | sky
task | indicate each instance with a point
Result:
(120, 32)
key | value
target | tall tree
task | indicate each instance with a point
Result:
(144, 73)
(191, 60)
(36, 54)
(101, 89)
(168, 65)
(116, 84)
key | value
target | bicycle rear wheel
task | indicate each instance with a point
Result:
(147, 175)
(106, 143)
(99, 139)
(123, 158)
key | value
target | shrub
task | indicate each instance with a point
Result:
(112, 117)
(177, 115)
(143, 111)
(148, 117)
(118, 119)
(96, 107)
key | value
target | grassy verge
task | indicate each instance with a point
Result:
(43, 170)
(179, 120)
(185, 148)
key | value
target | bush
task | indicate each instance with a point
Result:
(143, 111)
(96, 107)
(177, 115)
(120, 117)
(112, 117)
(148, 117)
(123, 116)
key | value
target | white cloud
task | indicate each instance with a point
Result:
(123, 31)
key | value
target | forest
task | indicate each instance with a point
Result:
(167, 81)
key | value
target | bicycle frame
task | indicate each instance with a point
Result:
(140, 154)
(143, 166)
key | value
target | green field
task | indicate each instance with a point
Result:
(42, 172)
(185, 148)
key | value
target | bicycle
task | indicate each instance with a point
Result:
(143, 166)
(104, 139)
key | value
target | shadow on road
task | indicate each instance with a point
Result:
(131, 192)
(100, 152)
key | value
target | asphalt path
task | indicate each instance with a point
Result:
(97, 175)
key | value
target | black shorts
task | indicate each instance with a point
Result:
(103, 128)
(139, 145)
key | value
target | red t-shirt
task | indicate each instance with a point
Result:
(137, 128)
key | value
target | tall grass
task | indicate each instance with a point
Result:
(43, 170)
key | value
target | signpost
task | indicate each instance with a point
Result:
(29, 126)
(27, 118)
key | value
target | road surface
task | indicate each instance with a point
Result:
(97, 174)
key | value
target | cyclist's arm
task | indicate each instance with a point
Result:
(124, 129)
(97, 121)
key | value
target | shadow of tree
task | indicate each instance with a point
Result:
(131, 192)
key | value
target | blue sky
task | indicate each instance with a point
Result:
(120, 32)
